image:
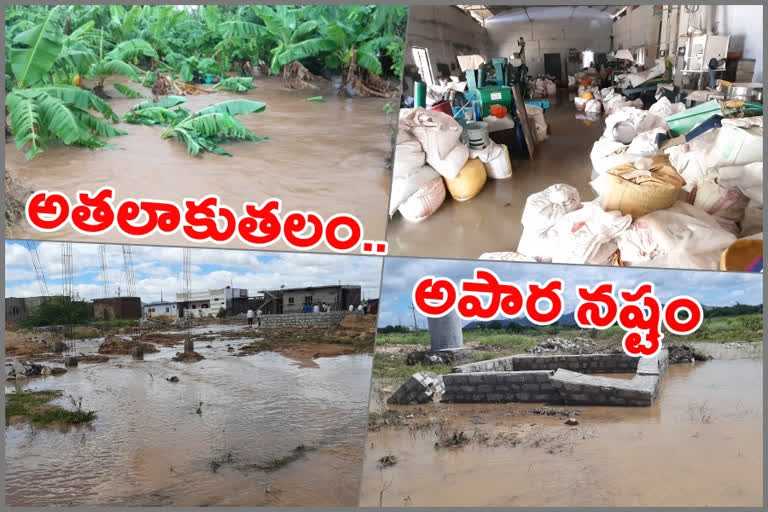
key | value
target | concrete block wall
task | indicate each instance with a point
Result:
(500, 364)
(525, 386)
(586, 363)
(304, 320)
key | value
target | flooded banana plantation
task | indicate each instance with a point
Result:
(172, 102)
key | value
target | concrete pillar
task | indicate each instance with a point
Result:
(138, 352)
(70, 361)
(445, 332)
(189, 346)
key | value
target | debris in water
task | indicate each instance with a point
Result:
(387, 461)
(571, 421)
(315, 98)
(172, 379)
(187, 357)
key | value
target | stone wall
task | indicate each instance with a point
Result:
(500, 364)
(524, 386)
(303, 320)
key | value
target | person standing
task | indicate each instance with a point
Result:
(351, 308)
(316, 309)
(258, 317)
(249, 314)
(360, 309)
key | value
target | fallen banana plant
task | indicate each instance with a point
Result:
(236, 84)
(206, 129)
(49, 114)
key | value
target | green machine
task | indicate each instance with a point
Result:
(489, 96)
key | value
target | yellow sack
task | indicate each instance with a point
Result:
(587, 96)
(637, 192)
(469, 181)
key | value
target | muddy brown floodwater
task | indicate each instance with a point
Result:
(148, 445)
(701, 444)
(328, 157)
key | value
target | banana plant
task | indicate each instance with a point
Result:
(41, 112)
(207, 128)
(116, 63)
(236, 84)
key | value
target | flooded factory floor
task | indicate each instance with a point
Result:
(260, 429)
(317, 153)
(700, 444)
(490, 221)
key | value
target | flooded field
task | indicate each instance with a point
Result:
(700, 444)
(225, 434)
(317, 153)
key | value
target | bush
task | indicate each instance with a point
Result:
(222, 313)
(59, 311)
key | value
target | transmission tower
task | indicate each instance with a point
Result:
(32, 247)
(103, 261)
(189, 345)
(130, 279)
(66, 270)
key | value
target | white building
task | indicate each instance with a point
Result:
(161, 308)
(209, 302)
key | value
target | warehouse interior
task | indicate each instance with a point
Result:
(620, 153)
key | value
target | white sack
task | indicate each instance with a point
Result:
(406, 182)
(747, 178)
(425, 201)
(439, 136)
(538, 123)
(681, 236)
(587, 235)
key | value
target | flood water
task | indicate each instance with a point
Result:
(490, 221)
(149, 446)
(699, 445)
(328, 157)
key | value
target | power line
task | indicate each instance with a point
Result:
(39, 273)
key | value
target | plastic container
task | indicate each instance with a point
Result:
(741, 254)
(682, 122)
(420, 94)
(477, 134)
(443, 106)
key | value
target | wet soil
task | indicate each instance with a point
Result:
(510, 456)
(241, 413)
(316, 155)
(124, 345)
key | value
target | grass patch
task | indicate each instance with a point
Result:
(33, 407)
(393, 366)
(717, 329)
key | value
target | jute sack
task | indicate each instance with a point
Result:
(637, 192)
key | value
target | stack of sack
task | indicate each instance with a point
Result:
(431, 159)
(537, 122)
(681, 207)
(542, 88)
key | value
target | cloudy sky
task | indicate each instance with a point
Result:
(710, 288)
(159, 268)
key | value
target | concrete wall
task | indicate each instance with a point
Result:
(639, 28)
(165, 309)
(14, 309)
(588, 363)
(534, 379)
(303, 320)
(744, 23)
(446, 31)
(533, 386)
(550, 30)
(126, 308)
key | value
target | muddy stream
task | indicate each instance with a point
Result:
(149, 446)
(700, 445)
(317, 154)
